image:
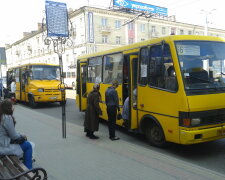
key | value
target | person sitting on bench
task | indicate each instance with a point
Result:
(11, 142)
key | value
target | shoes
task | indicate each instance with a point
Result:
(93, 136)
(114, 138)
(87, 134)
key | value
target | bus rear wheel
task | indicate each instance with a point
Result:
(155, 135)
(32, 102)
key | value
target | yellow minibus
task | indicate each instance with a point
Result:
(36, 83)
(175, 85)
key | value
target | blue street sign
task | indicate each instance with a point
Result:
(56, 19)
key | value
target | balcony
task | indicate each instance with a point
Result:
(105, 29)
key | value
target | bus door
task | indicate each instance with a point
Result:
(23, 82)
(132, 91)
(81, 98)
(18, 82)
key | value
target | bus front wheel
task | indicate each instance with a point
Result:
(155, 135)
(32, 102)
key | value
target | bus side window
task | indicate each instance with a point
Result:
(113, 68)
(162, 74)
(143, 73)
(95, 70)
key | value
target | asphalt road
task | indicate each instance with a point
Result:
(209, 155)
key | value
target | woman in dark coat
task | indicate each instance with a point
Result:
(93, 111)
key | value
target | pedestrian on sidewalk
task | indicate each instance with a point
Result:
(13, 90)
(11, 142)
(92, 113)
(112, 103)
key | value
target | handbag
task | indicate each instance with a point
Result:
(119, 116)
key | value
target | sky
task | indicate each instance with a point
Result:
(18, 16)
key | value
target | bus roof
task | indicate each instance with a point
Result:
(153, 41)
(30, 64)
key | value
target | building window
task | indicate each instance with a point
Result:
(142, 39)
(181, 32)
(67, 59)
(189, 32)
(173, 31)
(117, 24)
(104, 22)
(163, 30)
(37, 40)
(104, 39)
(54, 60)
(130, 40)
(142, 27)
(118, 38)
(153, 29)
(131, 26)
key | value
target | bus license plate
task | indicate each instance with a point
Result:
(53, 98)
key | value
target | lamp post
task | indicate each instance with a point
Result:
(206, 20)
(58, 34)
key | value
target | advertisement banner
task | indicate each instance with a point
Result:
(140, 7)
(2, 55)
(56, 19)
(90, 27)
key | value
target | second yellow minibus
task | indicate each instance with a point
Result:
(175, 84)
(36, 83)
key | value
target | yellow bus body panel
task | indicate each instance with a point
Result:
(208, 134)
(51, 93)
(163, 105)
(51, 88)
(206, 102)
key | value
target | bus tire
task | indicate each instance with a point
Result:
(32, 102)
(155, 135)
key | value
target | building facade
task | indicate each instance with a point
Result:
(93, 30)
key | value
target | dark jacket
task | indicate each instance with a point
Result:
(111, 97)
(93, 111)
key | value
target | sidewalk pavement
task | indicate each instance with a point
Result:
(79, 158)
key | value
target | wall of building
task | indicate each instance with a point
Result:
(110, 29)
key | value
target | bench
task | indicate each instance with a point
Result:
(12, 168)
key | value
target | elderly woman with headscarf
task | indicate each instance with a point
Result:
(93, 111)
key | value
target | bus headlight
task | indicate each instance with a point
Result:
(40, 90)
(195, 121)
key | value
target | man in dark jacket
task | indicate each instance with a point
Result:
(112, 103)
(93, 111)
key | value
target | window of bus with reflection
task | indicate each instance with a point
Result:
(41, 72)
(202, 65)
(95, 70)
(113, 68)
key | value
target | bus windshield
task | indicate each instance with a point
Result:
(41, 72)
(202, 65)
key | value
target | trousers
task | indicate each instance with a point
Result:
(27, 154)
(112, 111)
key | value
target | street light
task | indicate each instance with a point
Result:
(206, 20)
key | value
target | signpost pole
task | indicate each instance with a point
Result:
(57, 30)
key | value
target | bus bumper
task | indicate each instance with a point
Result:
(199, 136)
(48, 98)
